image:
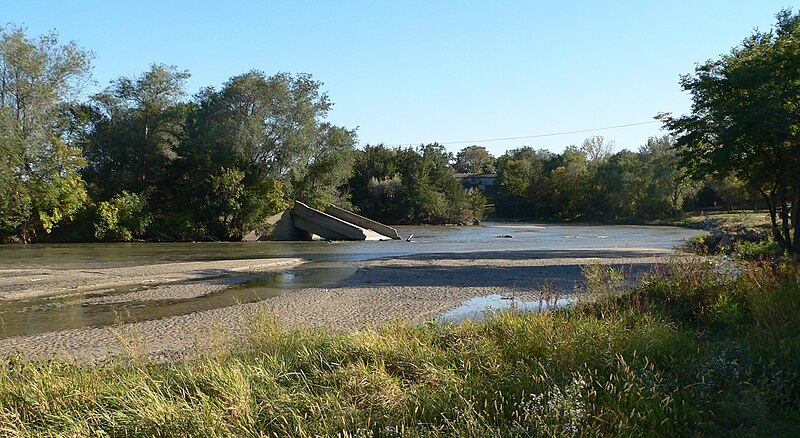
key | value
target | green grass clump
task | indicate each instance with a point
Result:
(698, 244)
(689, 351)
(766, 250)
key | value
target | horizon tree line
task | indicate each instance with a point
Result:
(142, 159)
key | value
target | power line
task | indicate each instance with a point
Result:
(552, 134)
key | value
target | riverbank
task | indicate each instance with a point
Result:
(410, 289)
(690, 352)
(17, 284)
(741, 218)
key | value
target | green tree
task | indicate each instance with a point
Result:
(39, 180)
(596, 148)
(597, 151)
(516, 177)
(474, 159)
(425, 181)
(412, 186)
(728, 192)
(521, 175)
(745, 120)
(137, 126)
(666, 182)
(619, 186)
(265, 125)
(376, 187)
(568, 183)
(122, 217)
(255, 144)
(319, 182)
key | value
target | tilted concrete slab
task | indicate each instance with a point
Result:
(302, 222)
(362, 222)
(329, 227)
(282, 228)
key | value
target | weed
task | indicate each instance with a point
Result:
(690, 350)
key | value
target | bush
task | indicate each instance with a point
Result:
(123, 217)
(698, 244)
(765, 250)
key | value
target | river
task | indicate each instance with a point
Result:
(328, 263)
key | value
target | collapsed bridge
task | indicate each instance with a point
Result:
(302, 222)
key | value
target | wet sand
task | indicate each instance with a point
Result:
(410, 289)
(16, 284)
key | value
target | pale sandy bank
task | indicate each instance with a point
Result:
(18, 284)
(411, 289)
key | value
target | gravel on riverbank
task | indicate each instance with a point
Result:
(410, 289)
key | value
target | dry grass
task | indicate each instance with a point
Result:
(698, 349)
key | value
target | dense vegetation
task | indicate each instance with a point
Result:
(707, 348)
(412, 186)
(592, 182)
(39, 165)
(141, 159)
(744, 121)
(589, 181)
(699, 350)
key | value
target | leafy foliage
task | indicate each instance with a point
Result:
(39, 180)
(474, 159)
(591, 182)
(256, 143)
(320, 182)
(123, 217)
(744, 121)
(219, 164)
(136, 126)
(218, 167)
(412, 186)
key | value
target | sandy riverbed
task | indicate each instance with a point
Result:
(18, 284)
(412, 289)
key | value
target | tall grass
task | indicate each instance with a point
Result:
(688, 351)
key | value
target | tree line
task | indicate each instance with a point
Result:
(590, 181)
(143, 159)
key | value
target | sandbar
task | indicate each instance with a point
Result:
(16, 284)
(411, 289)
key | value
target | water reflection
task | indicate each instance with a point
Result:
(427, 239)
(27, 317)
(479, 308)
(330, 263)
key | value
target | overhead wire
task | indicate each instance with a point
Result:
(552, 134)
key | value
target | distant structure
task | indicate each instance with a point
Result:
(486, 183)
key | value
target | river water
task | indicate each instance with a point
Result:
(425, 240)
(329, 262)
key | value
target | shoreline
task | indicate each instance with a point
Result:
(18, 284)
(411, 289)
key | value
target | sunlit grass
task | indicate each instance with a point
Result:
(691, 351)
(749, 218)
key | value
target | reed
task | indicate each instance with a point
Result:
(696, 349)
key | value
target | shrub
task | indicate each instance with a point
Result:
(765, 250)
(698, 244)
(123, 217)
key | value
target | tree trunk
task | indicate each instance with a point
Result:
(773, 216)
(786, 224)
(794, 251)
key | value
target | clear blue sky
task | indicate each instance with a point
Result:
(411, 72)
